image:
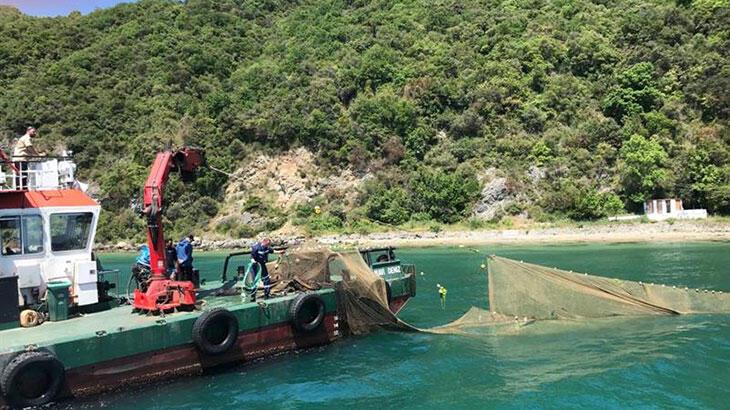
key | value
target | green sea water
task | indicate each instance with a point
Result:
(653, 362)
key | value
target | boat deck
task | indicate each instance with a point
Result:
(120, 322)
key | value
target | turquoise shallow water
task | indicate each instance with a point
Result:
(656, 362)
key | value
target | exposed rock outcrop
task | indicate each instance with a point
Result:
(282, 182)
(495, 196)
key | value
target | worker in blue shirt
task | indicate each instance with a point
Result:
(184, 251)
(260, 252)
(143, 258)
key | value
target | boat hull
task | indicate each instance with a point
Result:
(189, 360)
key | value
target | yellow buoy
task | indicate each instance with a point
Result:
(442, 295)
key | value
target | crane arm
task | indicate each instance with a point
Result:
(185, 160)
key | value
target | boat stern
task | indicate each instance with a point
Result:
(400, 278)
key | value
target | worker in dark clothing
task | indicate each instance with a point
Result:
(184, 250)
(170, 258)
(260, 252)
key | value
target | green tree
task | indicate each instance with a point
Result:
(444, 196)
(636, 91)
(642, 168)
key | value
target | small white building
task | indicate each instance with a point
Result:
(663, 209)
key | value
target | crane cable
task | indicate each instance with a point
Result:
(222, 172)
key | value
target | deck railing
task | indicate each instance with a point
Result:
(37, 173)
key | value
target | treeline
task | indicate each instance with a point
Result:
(586, 107)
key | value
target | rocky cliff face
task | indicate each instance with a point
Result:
(271, 186)
(264, 194)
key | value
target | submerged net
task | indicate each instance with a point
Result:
(538, 292)
(522, 293)
(477, 318)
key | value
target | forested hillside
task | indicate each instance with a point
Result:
(584, 108)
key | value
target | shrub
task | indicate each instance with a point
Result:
(476, 223)
(389, 206)
(244, 231)
(595, 205)
(254, 204)
(362, 226)
(324, 222)
(273, 224)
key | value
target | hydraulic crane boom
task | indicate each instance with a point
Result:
(162, 293)
(185, 161)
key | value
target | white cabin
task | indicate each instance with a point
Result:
(663, 209)
(47, 229)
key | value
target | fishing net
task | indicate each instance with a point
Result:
(538, 292)
(307, 265)
(362, 296)
(299, 270)
(477, 318)
(519, 294)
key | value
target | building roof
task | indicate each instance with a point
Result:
(44, 199)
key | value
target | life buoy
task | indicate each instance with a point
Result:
(32, 379)
(30, 318)
(215, 331)
(306, 312)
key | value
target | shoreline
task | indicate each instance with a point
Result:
(684, 231)
(678, 231)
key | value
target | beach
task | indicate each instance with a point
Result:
(678, 231)
(616, 232)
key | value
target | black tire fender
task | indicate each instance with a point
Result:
(215, 331)
(306, 312)
(388, 292)
(32, 379)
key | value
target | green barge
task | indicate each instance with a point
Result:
(102, 351)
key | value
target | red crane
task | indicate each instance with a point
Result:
(163, 294)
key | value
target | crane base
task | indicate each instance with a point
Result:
(165, 295)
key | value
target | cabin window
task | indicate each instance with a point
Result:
(32, 234)
(21, 235)
(10, 231)
(70, 231)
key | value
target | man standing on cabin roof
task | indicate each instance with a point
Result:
(260, 252)
(184, 250)
(24, 146)
(22, 152)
